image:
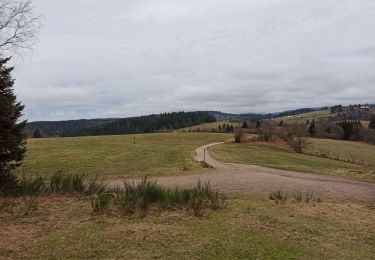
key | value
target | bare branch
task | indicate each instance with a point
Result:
(18, 25)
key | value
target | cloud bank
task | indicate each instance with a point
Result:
(127, 58)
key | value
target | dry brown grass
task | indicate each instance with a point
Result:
(64, 227)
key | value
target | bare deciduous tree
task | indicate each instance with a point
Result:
(18, 25)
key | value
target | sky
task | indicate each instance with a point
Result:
(122, 58)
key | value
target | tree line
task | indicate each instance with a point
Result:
(134, 125)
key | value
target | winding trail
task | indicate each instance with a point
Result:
(236, 178)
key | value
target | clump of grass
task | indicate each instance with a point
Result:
(277, 196)
(32, 186)
(139, 197)
(101, 203)
(30, 205)
(305, 197)
(95, 186)
(67, 183)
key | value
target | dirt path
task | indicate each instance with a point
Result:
(250, 179)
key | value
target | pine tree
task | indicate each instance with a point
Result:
(258, 124)
(281, 123)
(37, 134)
(12, 138)
(372, 122)
(244, 125)
(312, 128)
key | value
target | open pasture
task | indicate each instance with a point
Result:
(117, 156)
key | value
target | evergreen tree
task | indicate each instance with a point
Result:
(244, 125)
(258, 124)
(312, 128)
(281, 123)
(372, 122)
(37, 134)
(12, 138)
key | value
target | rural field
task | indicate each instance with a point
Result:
(251, 225)
(117, 156)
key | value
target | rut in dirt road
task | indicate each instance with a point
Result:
(250, 179)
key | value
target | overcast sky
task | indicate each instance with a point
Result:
(120, 58)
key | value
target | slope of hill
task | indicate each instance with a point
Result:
(143, 124)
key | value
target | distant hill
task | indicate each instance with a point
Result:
(256, 116)
(114, 126)
(178, 120)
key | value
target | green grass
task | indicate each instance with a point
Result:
(275, 157)
(207, 126)
(249, 228)
(359, 152)
(302, 118)
(117, 156)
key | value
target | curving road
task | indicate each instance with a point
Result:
(256, 180)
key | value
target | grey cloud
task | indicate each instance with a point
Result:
(127, 58)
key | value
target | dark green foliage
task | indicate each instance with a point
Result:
(312, 127)
(12, 139)
(66, 183)
(351, 129)
(258, 124)
(372, 122)
(245, 125)
(37, 134)
(143, 124)
(281, 123)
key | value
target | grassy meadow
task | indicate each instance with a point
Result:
(248, 227)
(280, 157)
(302, 118)
(57, 226)
(117, 156)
